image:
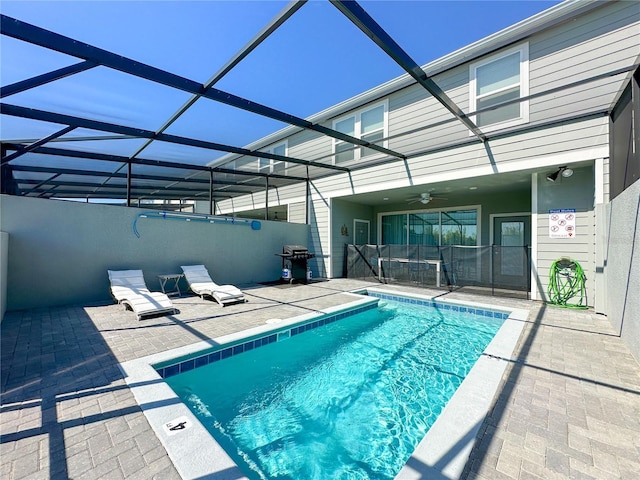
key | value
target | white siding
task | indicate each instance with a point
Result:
(283, 196)
(414, 108)
(298, 212)
(536, 144)
(310, 145)
(579, 195)
(607, 179)
(598, 43)
(594, 44)
(319, 241)
(614, 23)
(578, 140)
(603, 40)
(580, 249)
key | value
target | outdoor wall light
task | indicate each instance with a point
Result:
(564, 171)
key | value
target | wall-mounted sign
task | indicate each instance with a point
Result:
(562, 223)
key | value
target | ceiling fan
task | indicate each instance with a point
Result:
(425, 198)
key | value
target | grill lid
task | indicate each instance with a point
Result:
(294, 249)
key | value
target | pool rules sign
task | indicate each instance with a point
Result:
(562, 223)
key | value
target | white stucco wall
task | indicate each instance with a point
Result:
(622, 260)
(61, 251)
(4, 260)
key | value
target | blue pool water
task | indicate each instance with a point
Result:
(347, 400)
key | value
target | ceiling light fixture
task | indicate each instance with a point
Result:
(564, 171)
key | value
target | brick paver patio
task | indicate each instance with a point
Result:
(569, 405)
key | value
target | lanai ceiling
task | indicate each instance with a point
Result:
(141, 135)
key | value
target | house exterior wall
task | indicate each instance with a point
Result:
(343, 213)
(598, 42)
(412, 107)
(595, 43)
(576, 192)
(565, 127)
(432, 172)
(298, 212)
(318, 242)
(59, 252)
(570, 142)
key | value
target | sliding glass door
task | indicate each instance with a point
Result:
(433, 228)
(394, 229)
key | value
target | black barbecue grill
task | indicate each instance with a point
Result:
(295, 262)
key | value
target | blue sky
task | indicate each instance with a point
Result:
(317, 59)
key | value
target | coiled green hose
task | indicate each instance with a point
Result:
(567, 281)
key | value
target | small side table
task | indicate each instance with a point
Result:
(173, 277)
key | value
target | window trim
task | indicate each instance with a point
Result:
(357, 115)
(476, 207)
(269, 168)
(523, 50)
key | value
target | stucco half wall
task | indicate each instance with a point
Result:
(622, 266)
(4, 260)
(59, 251)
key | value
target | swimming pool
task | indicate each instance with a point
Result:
(444, 449)
(347, 399)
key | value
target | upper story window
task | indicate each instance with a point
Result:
(227, 166)
(267, 165)
(370, 124)
(498, 79)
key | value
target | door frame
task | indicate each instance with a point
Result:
(368, 222)
(493, 216)
(492, 232)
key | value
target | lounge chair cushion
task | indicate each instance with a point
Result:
(201, 284)
(128, 287)
(126, 280)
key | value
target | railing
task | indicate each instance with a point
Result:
(501, 269)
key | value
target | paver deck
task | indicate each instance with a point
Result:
(568, 407)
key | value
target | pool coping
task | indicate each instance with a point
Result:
(196, 454)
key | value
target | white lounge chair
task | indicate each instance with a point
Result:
(201, 284)
(128, 288)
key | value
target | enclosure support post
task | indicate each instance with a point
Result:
(266, 198)
(211, 208)
(306, 200)
(128, 184)
(493, 267)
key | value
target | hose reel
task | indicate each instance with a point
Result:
(566, 282)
